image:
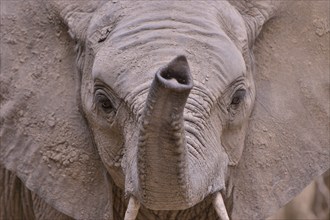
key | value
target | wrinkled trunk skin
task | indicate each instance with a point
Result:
(162, 153)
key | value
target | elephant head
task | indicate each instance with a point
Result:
(160, 114)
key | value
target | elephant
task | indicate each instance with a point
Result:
(161, 109)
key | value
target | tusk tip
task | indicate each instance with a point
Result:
(220, 207)
(132, 209)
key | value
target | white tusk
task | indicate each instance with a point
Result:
(132, 209)
(220, 207)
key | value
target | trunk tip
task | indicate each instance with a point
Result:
(176, 75)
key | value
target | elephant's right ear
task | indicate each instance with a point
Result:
(76, 14)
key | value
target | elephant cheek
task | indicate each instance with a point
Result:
(233, 141)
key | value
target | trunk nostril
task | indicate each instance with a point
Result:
(176, 75)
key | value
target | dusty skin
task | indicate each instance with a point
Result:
(159, 110)
(312, 203)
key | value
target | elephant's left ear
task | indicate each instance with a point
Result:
(44, 138)
(76, 14)
(287, 143)
(255, 14)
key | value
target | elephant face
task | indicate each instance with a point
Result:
(168, 99)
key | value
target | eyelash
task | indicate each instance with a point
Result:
(238, 97)
(103, 102)
(235, 109)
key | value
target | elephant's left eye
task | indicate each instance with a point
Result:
(237, 98)
(104, 102)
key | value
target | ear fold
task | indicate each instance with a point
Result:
(44, 138)
(288, 136)
(76, 14)
(255, 14)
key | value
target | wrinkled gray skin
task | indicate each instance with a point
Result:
(167, 90)
(167, 95)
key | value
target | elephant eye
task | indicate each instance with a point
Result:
(104, 102)
(238, 97)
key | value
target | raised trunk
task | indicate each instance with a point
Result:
(162, 152)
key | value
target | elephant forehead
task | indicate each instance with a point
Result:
(147, 39)
(125, 70)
